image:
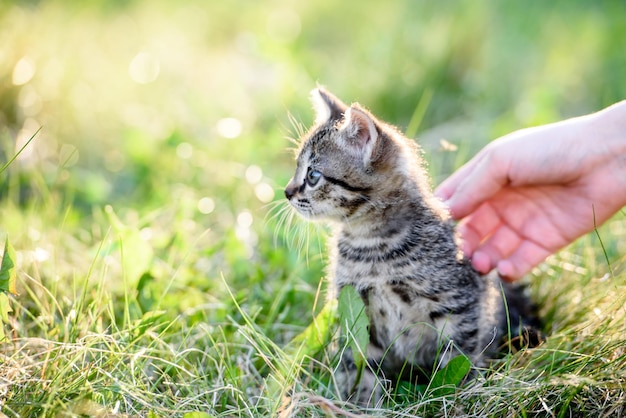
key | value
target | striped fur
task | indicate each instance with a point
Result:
(394, 242)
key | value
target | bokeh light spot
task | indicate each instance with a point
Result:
(184, 150)
(144, 68)
(41, 254)
(114, 161)
(146, 233)
(30, 101)
(244, 219)
(264, 192)
(206, 205)
(229, 128)
(28, 154)
(23, 71)
(254, 174)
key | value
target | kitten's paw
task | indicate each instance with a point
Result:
(366, 390)
(529, 337)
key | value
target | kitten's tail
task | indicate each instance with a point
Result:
(521, 324)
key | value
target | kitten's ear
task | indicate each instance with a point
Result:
(327, 106)
(359, 131)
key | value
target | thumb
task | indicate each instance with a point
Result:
(449, 186)
(475, 184)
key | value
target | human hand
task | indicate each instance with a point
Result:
(532, 192)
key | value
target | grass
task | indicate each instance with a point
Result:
(155, 275)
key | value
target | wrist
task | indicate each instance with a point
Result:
(608, 128)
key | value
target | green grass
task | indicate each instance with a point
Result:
(156, 275)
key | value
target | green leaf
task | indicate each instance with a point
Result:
(147, 295)
(148, 320)
(409, 392)
(306, 344)
(8, 271)
(198, 415)
(5, 308)
(444, 382)
(354, 323)
(316, 335)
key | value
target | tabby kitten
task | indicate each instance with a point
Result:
(395, 243)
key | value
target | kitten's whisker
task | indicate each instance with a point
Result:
(276, 214)
(282, 226)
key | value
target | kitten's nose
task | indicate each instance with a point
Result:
(290, 191)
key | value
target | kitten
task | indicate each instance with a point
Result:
(395, 243)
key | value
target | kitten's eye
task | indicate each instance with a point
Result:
(313, 177)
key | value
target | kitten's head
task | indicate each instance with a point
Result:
(344, 162)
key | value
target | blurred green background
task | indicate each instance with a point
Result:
(138, 96)
(155, 183)
(167, 122)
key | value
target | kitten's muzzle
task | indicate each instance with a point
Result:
(291, 190)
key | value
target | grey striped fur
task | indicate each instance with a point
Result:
(395, 243)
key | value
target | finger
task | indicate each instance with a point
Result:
(478, 226)
(471, 237)
(507, 271)
(449, 185)
(502, 243)
(527, 256)
(481, 263)
(485, 180)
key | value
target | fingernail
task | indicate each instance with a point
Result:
(505, 270)
(481, 262)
